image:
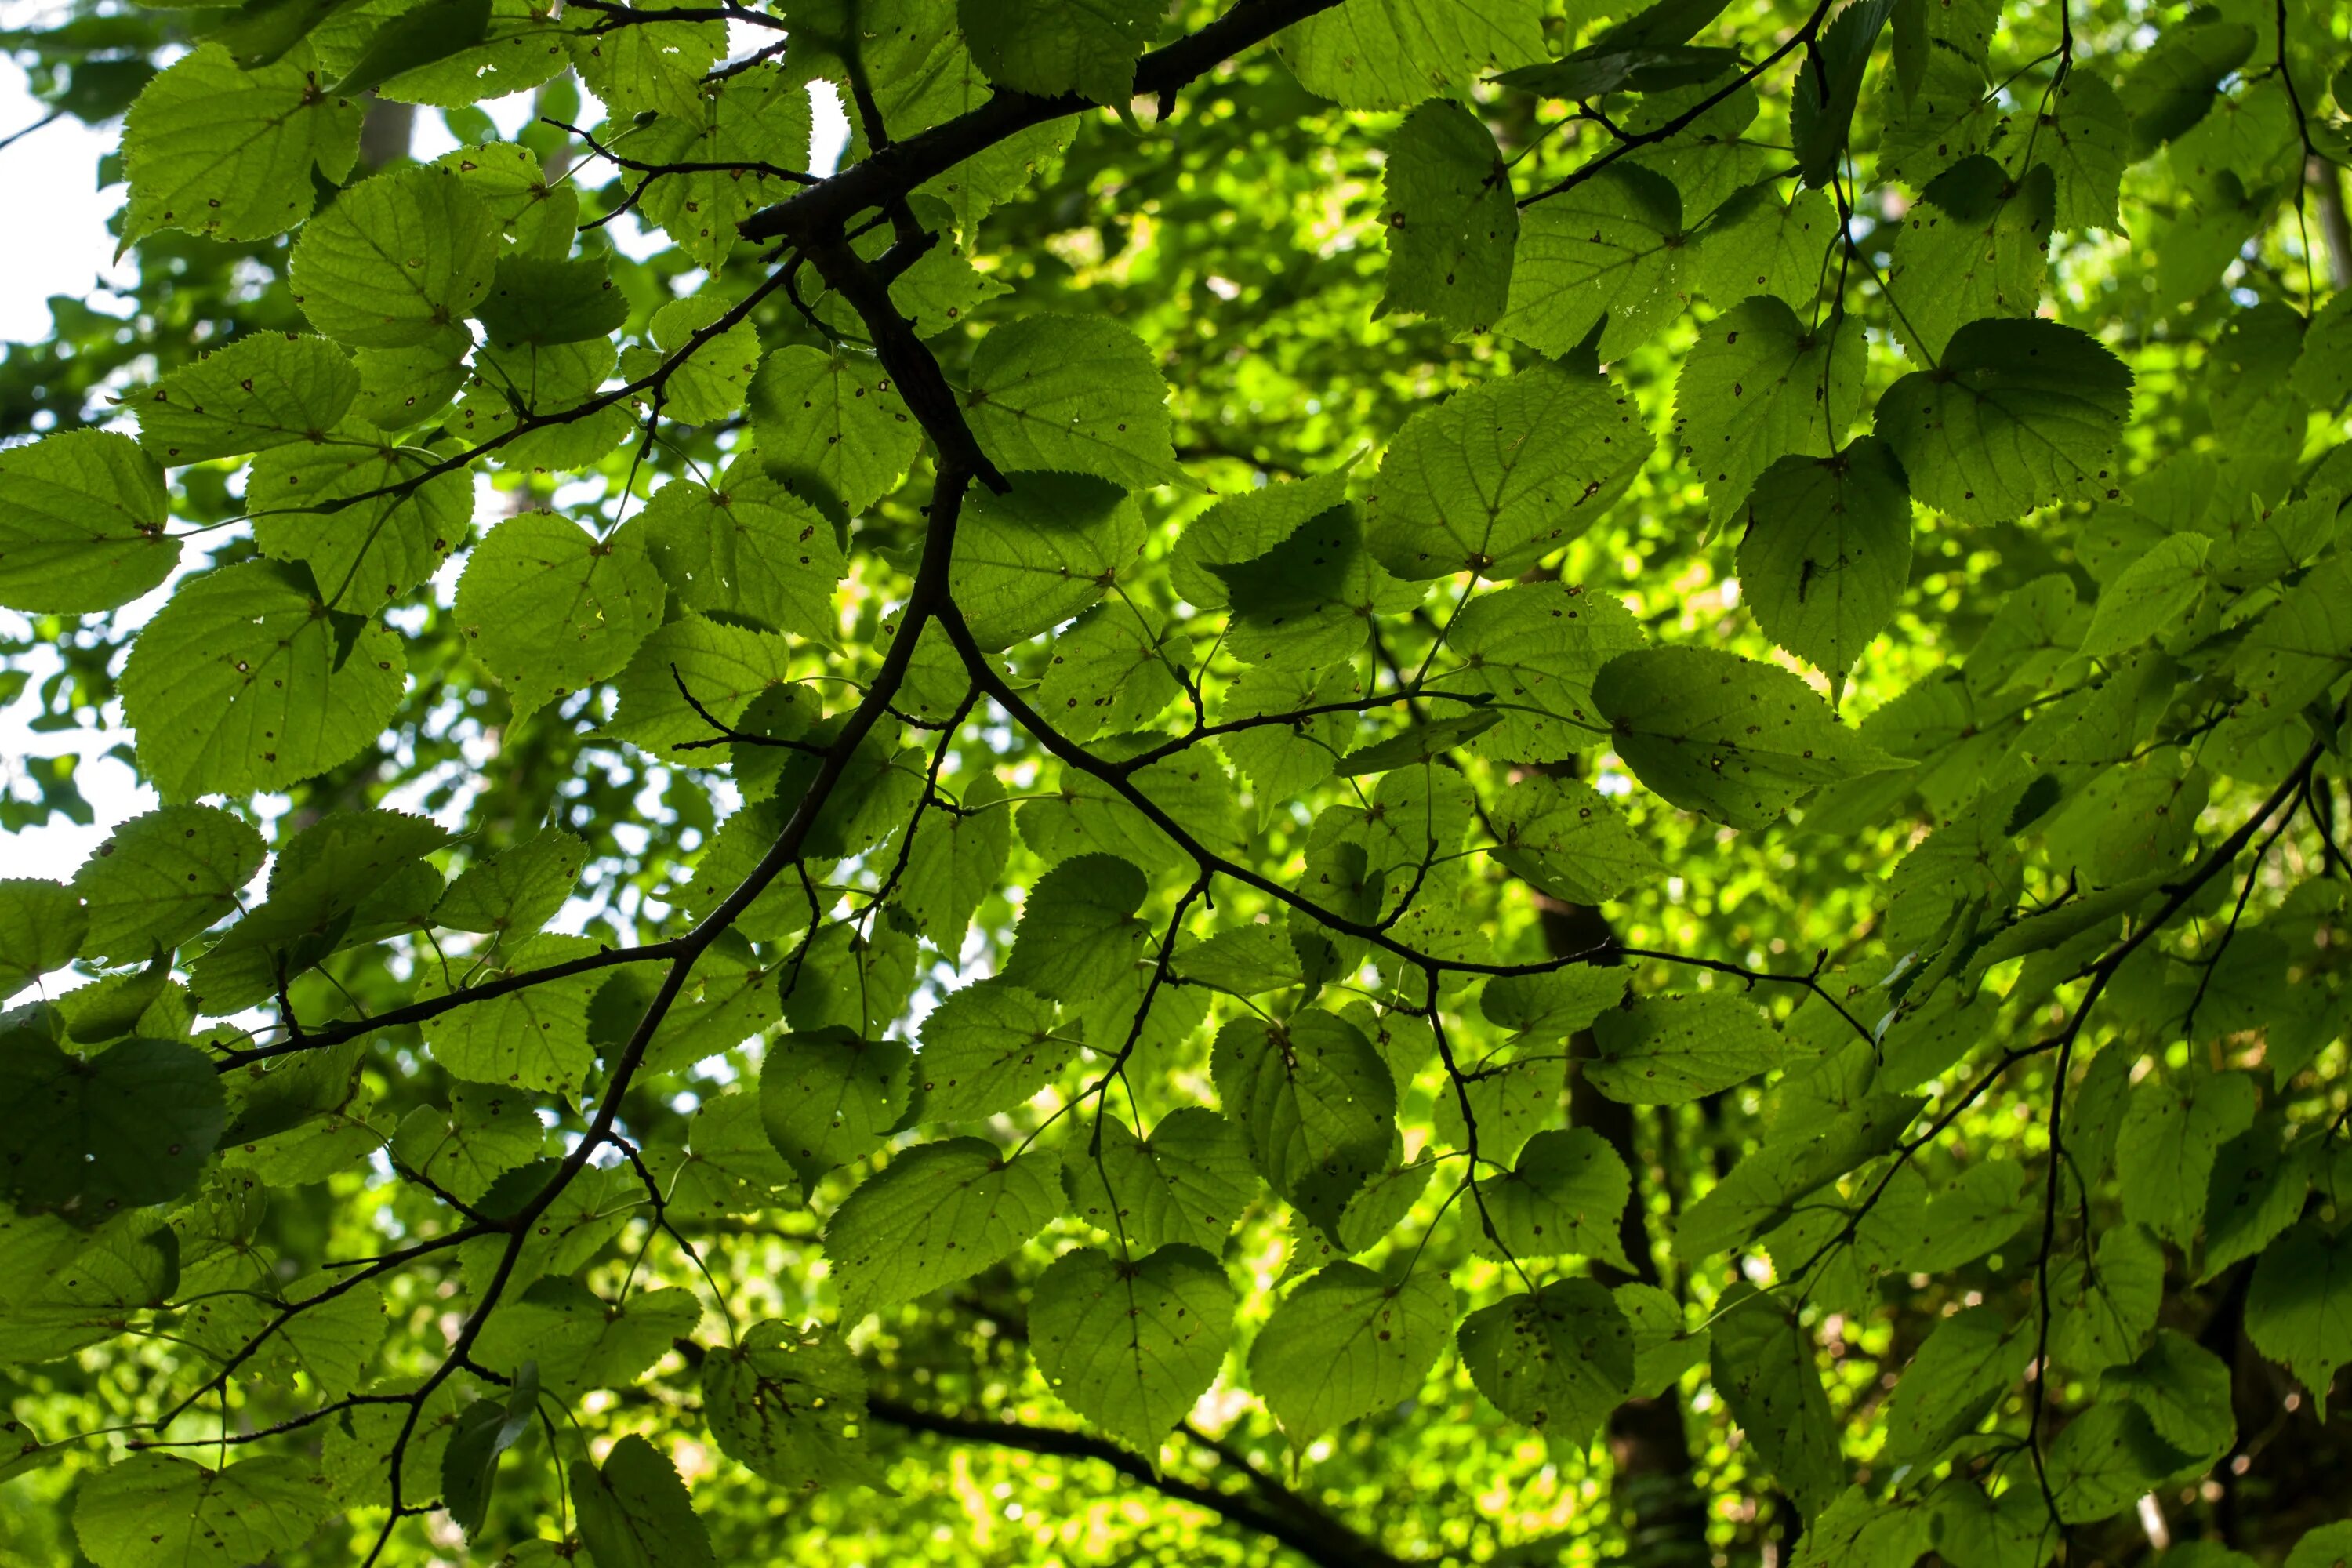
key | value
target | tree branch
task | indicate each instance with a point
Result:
(1319, 1538)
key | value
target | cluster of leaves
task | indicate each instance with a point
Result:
(836, 844)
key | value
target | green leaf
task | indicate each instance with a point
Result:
(1511, 1093)
(152, 1510)
(487, 1133)
(640, 65)
(162, 877)
(1533, 650)
(533, 1038)
(405, 386)
(1028, 559)
(245, 682)
(1346, 1344)
(89, 1136)
(829, 1097)
(1603, 66)
(711, 383)
(42, 927)
(722, 666)
(956, 861)
(1078, 394)
(2323, 370)
(2323, 1546)
(2104, 1312)
(1665, 1050)
(1968, 1363)
(135, 1001)
(1188, 1182)
(231, 154)
(1554, 1005)
(2281, 541)
(1418, 746)
(351, 877)
(1763, 1191)
(2299, 1308)
(1663, 1349)
(515, 890)
(416, 38)
(2257, 1192)
(2107, 1458)
(938, 1212)
(1821, 108)
(538, 301)
(729, 1165)
(62, 1291)
(749, 548)
(1079, 937)
(1131, 1344)
(1765, 1367)
(2149, 596)
(635, 1513)
(362, 554)
(831, 426)
(987, 1049)
(1975, 247)
(2184, 1389)
(1612, 253)
(484, 1432)
(579, 1341)
(332, 1340)
(398, 257)
(1738, 740)
(1452, 226)
(1498, 477)
(1244, 961)
(1284, 759)
(1758, 244)
(1087, 48)
(1559, 1358)
(1827, 553)
(1308, 601)
(1952, 116)
(789, 1404)
(1564, 1195)
(1111, 671)
(550, 608)
(541, 406)
(1392, 54)
(1225, 547)
(1564, 838)
(2164, 1150)
(739, 128)
(505, 177)
(1760, 387)
(259, 392)
(2295, 652)
(1856, 1529)
(2083, 135)
(81, 524)
(2019, 414)
(1316, 1102)
(2172, 85)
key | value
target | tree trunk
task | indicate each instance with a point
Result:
(1663, 1515)
(385, 133)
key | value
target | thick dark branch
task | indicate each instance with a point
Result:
(894, 171)
(913, 370)
(1317, 1538)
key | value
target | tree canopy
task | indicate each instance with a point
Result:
(1373, 782)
